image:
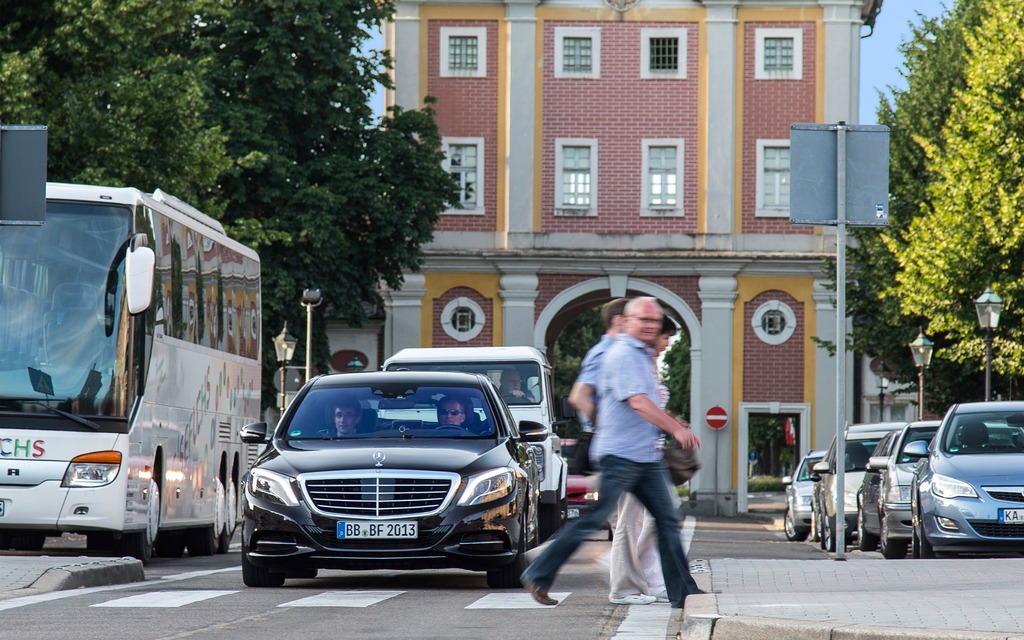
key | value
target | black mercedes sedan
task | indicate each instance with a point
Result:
(391, 470)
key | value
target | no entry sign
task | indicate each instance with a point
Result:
(717, 417)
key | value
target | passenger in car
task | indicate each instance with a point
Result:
(347, 415)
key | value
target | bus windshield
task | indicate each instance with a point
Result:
(61, 311)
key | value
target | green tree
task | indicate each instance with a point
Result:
(332, 198)
(675, 373)
(572, 345)
(935, 63)
(973, 233)
(119, 89)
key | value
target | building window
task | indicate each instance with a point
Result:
(663, 177)
(774, 322)
(779, 54)
(577, 52)
(462, 319)
(576, 177)
(773, 178)
(464, 162)
(463, 52)
(663, 54)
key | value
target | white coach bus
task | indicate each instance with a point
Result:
(129, 360)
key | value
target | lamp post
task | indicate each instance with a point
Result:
(883, 384)
(988, 306)
(922, 349)
(284, 345)
(310, 298)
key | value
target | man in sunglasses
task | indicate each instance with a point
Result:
(451, 412)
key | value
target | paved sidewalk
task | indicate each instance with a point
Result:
(29, 575)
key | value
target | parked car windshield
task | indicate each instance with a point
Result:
(914, 435)
(980, 433)
(858, 451)
(400, 412)
(804, 472)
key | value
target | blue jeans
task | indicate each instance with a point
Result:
(647, 481)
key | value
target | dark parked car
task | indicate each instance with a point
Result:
(799, 489)
(435, 474)
(968, 493)
(861, 440)
(883, 519)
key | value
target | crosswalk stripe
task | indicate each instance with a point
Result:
(343, 599)
(164, 599)
(515, 601)
(644, 621)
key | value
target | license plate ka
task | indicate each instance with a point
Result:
(377, 530)
(1011, 516)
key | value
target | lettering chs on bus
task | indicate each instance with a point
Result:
(16, 448)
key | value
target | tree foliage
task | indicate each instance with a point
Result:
(257, 112)
(884, 319)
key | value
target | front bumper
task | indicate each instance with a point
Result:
(284, 539)
(969, 526)
(898, 521)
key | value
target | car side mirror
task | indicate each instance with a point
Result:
(255, 433)
(565, 409)
(530, 431)
(820, 467)
(787, 479)
(877, 463)
(916, 450)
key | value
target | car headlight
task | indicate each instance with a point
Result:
(946, 487)
(273, 487)
(488, 486)
(898, 493)
(805, 501)
(92, 470)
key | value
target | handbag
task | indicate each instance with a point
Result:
(580, 462)
(682, 463)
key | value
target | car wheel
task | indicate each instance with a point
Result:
(552, 517)
(921, 547)
(254, 576)
(508, 576)
(891, 549)
(865, 541)
(821, 532)
(792, 533)
(828, 533)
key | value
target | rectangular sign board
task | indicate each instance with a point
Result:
(814, 170)
(22, 174)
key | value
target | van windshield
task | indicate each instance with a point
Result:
(519, 382)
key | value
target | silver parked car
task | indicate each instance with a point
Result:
(883, 519)
(968, 493)
(799, 488)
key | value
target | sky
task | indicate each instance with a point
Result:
(880, 57)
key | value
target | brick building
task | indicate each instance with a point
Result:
(634, 147)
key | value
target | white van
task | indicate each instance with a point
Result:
(536, 403)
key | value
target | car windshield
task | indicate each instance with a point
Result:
(519, 382)
(980, 433)
(403, 411)
(858, 451)
(804, 472)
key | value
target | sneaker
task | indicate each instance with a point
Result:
(662, 596)
(636, 598)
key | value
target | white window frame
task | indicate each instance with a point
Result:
(575, 211)
(478, 210)
(646, 72)
(787, 331)
(481, 41)
(561, 33)
(797, 72)
(675, 210)
(763, 210)
(478, 319)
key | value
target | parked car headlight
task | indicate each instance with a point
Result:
(946, 487)
(898, 493)
(273, 487)
(488, 486)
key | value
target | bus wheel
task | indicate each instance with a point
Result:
(230, 520)
(201, 541)
(139, 544)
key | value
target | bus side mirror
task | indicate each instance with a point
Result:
(138, 278)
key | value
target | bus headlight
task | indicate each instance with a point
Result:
(91, 470)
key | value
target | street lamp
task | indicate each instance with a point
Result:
(922, 349)
(989, 306)
(883, 384)
(284, 345)
(310, 298)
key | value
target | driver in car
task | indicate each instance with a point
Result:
(451, 412)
